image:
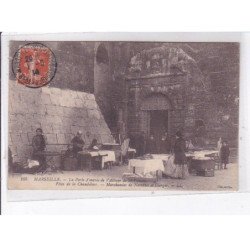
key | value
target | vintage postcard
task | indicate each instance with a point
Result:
(123, 115)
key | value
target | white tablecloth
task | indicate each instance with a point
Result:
(132, 150)
(201, 155)
(146, 166)
(163, 157)
(108, 156)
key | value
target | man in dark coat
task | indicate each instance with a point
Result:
(151, 146)
(77, 146)
(77, 143)
(224, 155)
(179, 150)
(39, 146)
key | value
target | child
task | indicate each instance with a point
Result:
(219, 145)
(224, 154)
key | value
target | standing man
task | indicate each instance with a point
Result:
(77, 146)
(180, 157)
(77, 143)
(39, 146)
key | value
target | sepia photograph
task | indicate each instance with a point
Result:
(123, 115)
(124, 124)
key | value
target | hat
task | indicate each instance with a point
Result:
(79, 132)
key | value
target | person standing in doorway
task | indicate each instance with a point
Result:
(151, 146)
(141, 144)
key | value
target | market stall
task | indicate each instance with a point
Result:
(96, 159)
(144, 169)
(198, 162)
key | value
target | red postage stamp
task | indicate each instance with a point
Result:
(33, 65)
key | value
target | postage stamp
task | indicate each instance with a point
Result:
(124, 115)
(34, 65)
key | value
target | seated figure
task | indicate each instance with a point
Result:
(93, 145)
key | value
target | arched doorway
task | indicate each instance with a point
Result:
(102, 54)
(156, 114)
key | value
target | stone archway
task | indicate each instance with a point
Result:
(156, 101)
(102, 54)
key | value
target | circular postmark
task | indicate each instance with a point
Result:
(34, 65)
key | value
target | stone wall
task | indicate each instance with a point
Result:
(60, 113)
(218, 105)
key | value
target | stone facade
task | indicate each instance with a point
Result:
(209, 89)
(60, 113)
(165, 73)
(199, 81)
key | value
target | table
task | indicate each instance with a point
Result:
(163, 157)
(107, 156)
(113, 147)
(49, 161)
(202, 154)
(198, 161)
(146, 166)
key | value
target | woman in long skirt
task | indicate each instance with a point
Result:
(181, 170)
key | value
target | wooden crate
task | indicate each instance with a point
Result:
(206, 173)
(201, 165)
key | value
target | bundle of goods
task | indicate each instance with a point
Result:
(29, 167)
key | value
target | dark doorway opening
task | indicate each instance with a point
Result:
(158, 124)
